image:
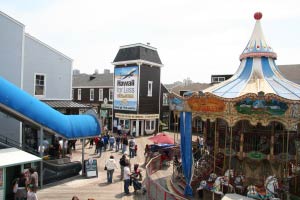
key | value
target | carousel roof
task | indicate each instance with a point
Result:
(257, 71)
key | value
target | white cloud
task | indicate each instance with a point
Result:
(194, 38)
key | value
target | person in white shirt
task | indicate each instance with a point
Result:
(110, 167)
(126, 178)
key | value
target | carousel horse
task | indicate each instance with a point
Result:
(271, 186)
(239, 183)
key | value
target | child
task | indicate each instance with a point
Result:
(135, 150)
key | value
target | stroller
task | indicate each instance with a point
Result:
(136, 177)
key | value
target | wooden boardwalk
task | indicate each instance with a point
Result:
(97, 188)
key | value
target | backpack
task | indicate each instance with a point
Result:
(131, 143)
(122, 161)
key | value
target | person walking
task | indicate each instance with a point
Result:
(118, 139)
(125, 144)
(111, 142)
(126, 178)
(131, 147)
(111, 166)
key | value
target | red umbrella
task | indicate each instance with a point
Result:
(162, 138)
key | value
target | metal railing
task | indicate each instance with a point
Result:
(155, 190)
(12, 143)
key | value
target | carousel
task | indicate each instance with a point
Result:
(250, 128)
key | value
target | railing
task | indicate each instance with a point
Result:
(155, 190)
(12, 143)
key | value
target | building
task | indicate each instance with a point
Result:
(137, 96)
(96, 91)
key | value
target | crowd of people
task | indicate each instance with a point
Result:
(26, 185)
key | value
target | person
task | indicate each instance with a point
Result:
(111, 142)
(125, 143)
(119, 129)
(19, 187)
(147, 153)
(105, 140)
(31, 193)
(111, 166)
(135, 149)
(91, 140)
(100, 146)
(96, 141)
(136, 178)
(118, 139)
(131, 147)
(122, 165)
(75, 198)
(133, 131)
(33, 178)
(126, 178)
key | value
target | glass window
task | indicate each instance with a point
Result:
(165, 99)
(91, 94)
(79, 94)
(39, 85)
(125, 123)
(100, 94)
(150, 84)
(150, 125)
(111, 93)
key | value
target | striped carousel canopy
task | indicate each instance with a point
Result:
(257, 72)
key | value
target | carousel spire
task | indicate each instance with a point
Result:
(257, 72)
(257, 45)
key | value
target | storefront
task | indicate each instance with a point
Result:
(13, 161)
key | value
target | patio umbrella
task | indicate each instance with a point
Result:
(162, 138)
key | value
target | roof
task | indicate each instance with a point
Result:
(14, 156)
(291, 72)
(95, 80)
(257, 72)
(194, 87)
(137, 52)
(64, 104)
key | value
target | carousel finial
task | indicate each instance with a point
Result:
(257, 15)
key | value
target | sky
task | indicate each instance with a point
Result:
(194, 38)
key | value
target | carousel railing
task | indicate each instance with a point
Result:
(154, 189)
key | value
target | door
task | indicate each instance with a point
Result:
(11, 173)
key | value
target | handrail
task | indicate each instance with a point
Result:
(18, 145)
(148, 176)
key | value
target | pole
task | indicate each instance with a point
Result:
(82, 155)
(230, 147)
(215, 149)
(41, 155)
(225, 146)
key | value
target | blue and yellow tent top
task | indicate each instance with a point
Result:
(68, 126)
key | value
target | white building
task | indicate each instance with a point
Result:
(34, 67)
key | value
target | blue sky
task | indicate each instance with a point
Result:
(194, 38)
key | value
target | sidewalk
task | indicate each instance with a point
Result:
(95, 188)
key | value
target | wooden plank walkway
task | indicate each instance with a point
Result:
(97, 188)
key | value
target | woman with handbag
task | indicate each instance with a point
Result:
(110, 166)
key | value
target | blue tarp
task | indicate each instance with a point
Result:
(69, 126)
(186, 150)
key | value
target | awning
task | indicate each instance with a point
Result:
(13, 156)
(65, 104)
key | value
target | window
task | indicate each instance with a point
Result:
(92, 94)
(100, 94)
(150, 83)
(165, 99)
(39, 85)
(79, 94)
(111, 93)
(217, 79)
(125, 123)
(150, 125)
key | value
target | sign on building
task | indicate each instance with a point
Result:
(126, 88)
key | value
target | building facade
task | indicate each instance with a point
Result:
(35, 67)
(137, 89)
(96, 91)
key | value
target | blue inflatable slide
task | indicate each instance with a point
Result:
(68, 126)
